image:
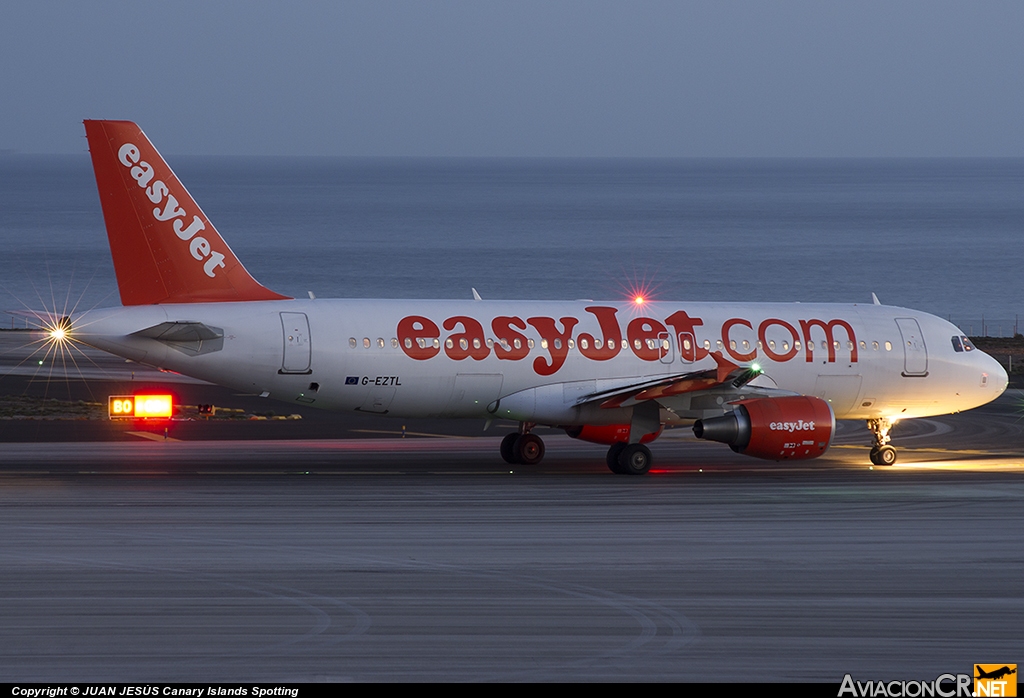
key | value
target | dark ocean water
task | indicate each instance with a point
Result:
(944, 236)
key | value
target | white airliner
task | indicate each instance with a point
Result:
(768, 379)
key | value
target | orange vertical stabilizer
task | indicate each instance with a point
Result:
(164, 247)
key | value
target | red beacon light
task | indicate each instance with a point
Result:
(140, 406)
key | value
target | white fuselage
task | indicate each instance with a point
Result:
(461, 359)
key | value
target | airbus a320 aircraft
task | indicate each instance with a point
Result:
(768, 379)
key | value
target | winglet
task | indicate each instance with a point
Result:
(725, 367)
(164, 247)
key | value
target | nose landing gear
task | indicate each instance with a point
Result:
(881, 452)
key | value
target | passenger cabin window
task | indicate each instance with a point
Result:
(352, 342)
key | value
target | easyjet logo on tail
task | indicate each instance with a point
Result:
(168, 210)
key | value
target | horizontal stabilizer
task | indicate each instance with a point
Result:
(181, 332)
(40, 317)
(192, 338)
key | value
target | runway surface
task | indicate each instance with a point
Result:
(366, 556)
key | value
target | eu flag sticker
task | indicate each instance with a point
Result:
(352, 380)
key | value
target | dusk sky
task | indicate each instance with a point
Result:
(523, 78)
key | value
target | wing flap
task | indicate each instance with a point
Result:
(725, 373)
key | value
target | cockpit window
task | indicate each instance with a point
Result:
(957, 346)
(967, 344)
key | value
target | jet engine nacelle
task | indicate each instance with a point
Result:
(777, 428)
(608, 434)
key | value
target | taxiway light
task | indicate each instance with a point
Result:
(140, 406)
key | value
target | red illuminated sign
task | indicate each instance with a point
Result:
(140, 406)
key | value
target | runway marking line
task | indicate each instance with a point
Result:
(151, 436)
(410, 433)
(123, 472)
(937, 449)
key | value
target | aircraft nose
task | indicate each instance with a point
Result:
(994, 378)
(997, 377)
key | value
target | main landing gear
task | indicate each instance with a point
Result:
(881, 452)
(629, 459)
(522, 447)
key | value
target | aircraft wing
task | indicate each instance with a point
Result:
(725, 374)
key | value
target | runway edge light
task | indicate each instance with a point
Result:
(140, 406)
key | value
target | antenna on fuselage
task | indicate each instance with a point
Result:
(874, 298)
(476, 296)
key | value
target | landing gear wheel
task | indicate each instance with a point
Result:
(884, 455)
(529, 449)
(635, 459)
(613, 458)
(508, 448)
(881, 452)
